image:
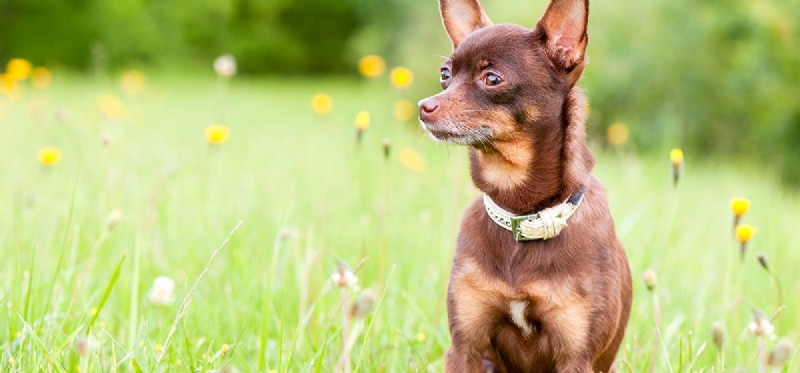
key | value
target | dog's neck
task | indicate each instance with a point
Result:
(528, 174)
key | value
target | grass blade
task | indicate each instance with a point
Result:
(106, 294)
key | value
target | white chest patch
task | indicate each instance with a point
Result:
(517, 309)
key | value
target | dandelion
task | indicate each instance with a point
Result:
(401, 77)
(113, 219)
(371, 66)
(762, 260)
(49, 156)
(364, 304)
(744, 232)
(387, 148)
(163, 291)
(9, 87)
(158, 347)
(217, 134)
(718, 334)
(105, 139)
(84, 345)
(362, 123)
(225, 65)
(19, 68)
(111, 106)
(421, 337)
(739, 207)
(411, 160)
(404, 110)
(41, 77)
(224, 349)
(321, 103)
(650, 279)
(760, 325)
(617, 134)
(344, 277)
(676, 158)
(780, 353)
(132, 82)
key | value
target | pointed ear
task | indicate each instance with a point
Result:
(461, 18)
(564, 25)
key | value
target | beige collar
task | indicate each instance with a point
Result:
(541, 225)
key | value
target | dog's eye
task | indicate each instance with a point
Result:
(444, 75)
(492, 79)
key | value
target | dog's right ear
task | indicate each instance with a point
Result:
(461, 18)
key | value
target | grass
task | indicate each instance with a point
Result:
(75, 287)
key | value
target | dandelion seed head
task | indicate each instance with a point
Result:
(163, 291)
(225, 65)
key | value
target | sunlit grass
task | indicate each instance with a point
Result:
(310, 197)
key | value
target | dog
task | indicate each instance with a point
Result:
(539, 282)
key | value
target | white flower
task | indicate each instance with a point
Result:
(225, 65)
(760, 326)
(163, 291)
(344, 277)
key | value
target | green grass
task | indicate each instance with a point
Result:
(66, 278)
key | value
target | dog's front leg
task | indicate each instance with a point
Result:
(463, 360)
(574, 365)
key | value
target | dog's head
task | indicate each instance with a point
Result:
(504, 81)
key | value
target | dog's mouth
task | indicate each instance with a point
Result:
(458, 134)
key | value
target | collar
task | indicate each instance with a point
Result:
(541, 225)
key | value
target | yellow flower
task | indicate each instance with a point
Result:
(411, 160)
(739, 206)
(18, 68)
(111, 106)
(617, 134)
(41, 77)
(225, 348)
(49, 156)
(158, 347)
(132, 82)
(321, 103)
(676, 156)
(371, 66)
(362, 121)
(9, 87)
(217, 134)
(745, 232)
(401, 77)
(421, 337)
(404, 110)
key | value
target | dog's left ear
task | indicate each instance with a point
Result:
(461, 18)
(564, 26)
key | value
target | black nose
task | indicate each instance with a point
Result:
(427, 107)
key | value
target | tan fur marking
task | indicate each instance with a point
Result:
(564, 312)
(506, 166)
(560, 307)
(478, 297)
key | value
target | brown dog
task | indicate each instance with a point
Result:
(525, 295)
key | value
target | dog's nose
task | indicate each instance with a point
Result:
(427, 107)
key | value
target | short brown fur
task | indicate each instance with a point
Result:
(510, 95)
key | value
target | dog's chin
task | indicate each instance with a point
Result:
(453, 136)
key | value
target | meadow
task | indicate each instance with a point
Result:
(138, 192)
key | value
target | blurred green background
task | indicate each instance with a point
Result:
(715, 77)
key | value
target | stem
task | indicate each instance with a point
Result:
(657, 321)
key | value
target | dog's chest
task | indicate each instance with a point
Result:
(484, 306)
